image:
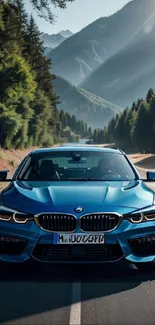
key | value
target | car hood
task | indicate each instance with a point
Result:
(120, 197)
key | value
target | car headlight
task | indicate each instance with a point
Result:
(10, 215)
(141, 218)
(144, 215)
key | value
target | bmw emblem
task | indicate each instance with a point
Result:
(78, 209)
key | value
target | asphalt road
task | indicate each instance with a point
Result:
(76, 295)
(108, 295)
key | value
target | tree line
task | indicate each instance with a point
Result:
(28, 103)
(134, 129)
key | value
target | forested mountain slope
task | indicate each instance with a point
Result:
(86, 106)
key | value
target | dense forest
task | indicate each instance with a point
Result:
(28, 103)
(134, 129)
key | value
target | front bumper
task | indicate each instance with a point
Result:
(22, 242)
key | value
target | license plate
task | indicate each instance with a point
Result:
(78, 239)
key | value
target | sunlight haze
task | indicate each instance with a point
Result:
(78, 14)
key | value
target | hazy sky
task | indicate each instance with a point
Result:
(78, 14)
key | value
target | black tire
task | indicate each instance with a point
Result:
(145, 267)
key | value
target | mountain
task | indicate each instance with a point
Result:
(66, 33)
(130, 73)
(52, 41)
(86, 106)
(80, 55)
(47, 50)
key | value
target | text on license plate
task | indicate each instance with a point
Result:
(78, 239)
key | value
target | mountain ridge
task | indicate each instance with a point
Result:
(51, 41)
(80, 55)
(127, 75)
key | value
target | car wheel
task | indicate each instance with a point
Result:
(145, 267)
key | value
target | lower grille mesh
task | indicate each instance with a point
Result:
(12, 246)
(143, 246)
(105, 252)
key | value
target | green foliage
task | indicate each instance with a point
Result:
(39, 125)
(62, 140)
(11, 163)
(1, 17)
(43, 7)
(10, 124)
(28, 112)
(150, 95)
(71, 126)
(15, 79)
(134, 129)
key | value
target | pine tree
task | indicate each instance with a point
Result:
(150, 95)
(73, 123)
(1, 17)
(151, 122)
(39, 125)
(133, 106)
(90, 132)
(27, 99)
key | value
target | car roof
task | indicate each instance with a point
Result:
(76, 148)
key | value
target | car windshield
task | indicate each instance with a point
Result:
(72, 166)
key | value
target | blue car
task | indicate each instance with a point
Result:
(77, 204)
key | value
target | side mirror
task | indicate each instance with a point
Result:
(150, 176)
(3, 175)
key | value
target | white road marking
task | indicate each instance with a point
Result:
(75, 312)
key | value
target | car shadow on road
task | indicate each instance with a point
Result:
(31, 290)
